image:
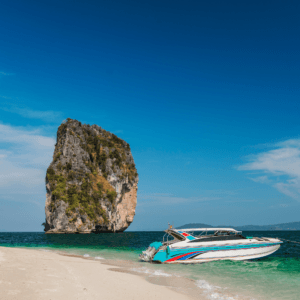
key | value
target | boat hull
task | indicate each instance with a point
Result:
(214, 253)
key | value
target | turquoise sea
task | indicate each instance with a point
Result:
(274, 277)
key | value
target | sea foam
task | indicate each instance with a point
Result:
(151, 272)
(209, 290)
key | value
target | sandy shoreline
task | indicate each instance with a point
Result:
(35, 274)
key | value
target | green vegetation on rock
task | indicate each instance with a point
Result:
(84, 157)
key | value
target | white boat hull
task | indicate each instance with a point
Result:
(228, 255)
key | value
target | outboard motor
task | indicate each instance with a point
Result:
(148, 254)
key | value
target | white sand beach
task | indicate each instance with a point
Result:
(35, 275)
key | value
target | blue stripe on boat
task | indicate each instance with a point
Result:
(189, 255)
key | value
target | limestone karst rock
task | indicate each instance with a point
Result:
(91, 183)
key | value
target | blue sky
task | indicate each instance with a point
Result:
(205, 92)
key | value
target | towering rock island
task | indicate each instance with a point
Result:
(91, 183)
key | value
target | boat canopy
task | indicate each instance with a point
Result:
(207, 229)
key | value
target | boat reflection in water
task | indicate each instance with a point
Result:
(198, 245)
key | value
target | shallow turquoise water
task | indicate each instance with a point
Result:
(274, 277)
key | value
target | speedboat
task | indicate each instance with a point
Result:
(198, 245)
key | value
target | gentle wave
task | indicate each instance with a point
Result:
(210, 291)
(151, 272)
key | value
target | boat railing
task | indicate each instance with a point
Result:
(164, 237)
(215, 232)
(204, 233)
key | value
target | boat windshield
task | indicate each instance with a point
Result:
(172, 235)
(199, 234)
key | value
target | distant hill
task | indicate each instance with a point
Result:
(283, 226)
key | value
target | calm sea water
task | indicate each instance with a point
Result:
(273, 277)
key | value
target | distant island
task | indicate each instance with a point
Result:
(283, 226)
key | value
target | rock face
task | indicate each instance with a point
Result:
(91, 183)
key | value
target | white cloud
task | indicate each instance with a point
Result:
(166, 199)
(118, 131)
(261, 179)
(5, 74)
(48, 115)
(24, 157)
(290, 188)
(281, 167)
